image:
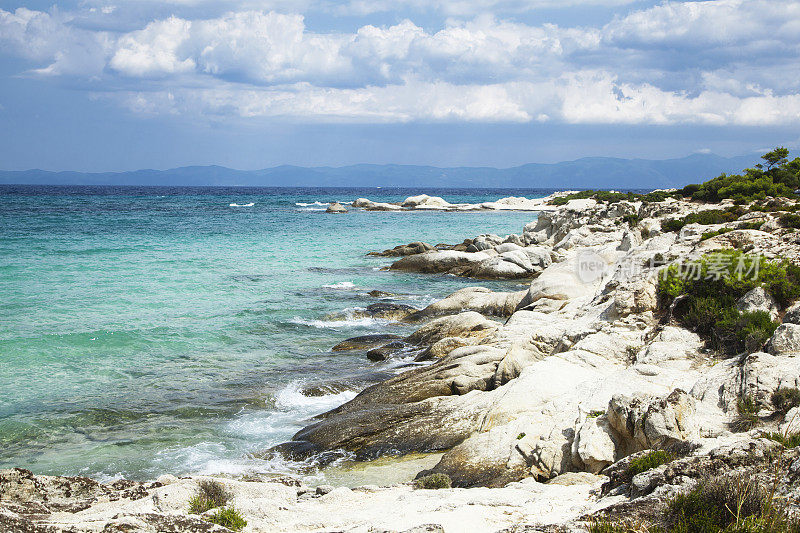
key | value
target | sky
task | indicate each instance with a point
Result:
(109, 85)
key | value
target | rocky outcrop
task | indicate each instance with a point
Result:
(642, 422)
(364, 342)
(382, 311)
(478, 299)
(336, 207)
(405, 249)
(758, 299)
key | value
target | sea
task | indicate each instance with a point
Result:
(160, 330)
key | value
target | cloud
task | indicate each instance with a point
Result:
(717, 62)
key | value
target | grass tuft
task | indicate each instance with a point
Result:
(433, 481)
(228, 517)
(210, 495)
(649, 461)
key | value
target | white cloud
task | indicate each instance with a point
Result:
(719, 62)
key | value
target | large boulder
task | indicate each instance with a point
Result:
(438, 261)
(758, 299)
(594, 446)
(785, 340)
(405, 249)
(643, 422)
(761, 374)
(792, 315)
(336, 207)
(479, 299)
(468, 324)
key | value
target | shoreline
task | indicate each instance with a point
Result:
(542, 393)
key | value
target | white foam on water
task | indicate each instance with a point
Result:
(257, 431)
(341, 286)
(251, 204)
(312, 209)
(365, 322)
(304, 204)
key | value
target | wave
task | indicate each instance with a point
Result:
(255, 431)
(346, 323)
(312, 209)
(303, 204)
(251, 204)
(341, 286)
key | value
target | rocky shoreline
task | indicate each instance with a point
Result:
(538, 401)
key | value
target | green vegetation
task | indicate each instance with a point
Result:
(210, 494)
(631, 220)
(777, 177)
(595, 414)
(746, 414)
(609, 196)
(708, 217)
(785, 398)
(433, 481)
(521, 436)
(709, 288)
(788, 441)
(649, 461)
(718, 505)
(228, 517)
(707, 235)
(790, 220)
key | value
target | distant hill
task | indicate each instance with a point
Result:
(588, 172)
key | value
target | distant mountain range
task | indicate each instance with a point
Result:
(589, 172)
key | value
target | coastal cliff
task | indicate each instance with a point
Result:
(538, 406)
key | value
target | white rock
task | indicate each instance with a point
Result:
(758, 299)
(785, 340)
(594, 444)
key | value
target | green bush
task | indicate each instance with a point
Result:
(609, 196)
(707, 235)
(705, 218)
(433, 481)
(649, 461)
(711, 287)
(595, 414)
(785, 398)
(210, 494)
(779, 179)
(790, 220)
(228, 517)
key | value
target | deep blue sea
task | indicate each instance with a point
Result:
(163, 330)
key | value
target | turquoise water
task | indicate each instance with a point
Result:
(158, 330)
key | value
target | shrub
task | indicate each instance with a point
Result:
(716, 504)
(707, 235)
(705, 218)
(779, 179)
(790, 220)
(746, 414)
(711, 287)
(649, 461)
(433, 481)
(631, 220)
(228, 517)
(210, 494)
(785, 398)
(595, 414)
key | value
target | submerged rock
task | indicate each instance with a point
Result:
(364, 342)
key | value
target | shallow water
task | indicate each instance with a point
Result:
(173, 330)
